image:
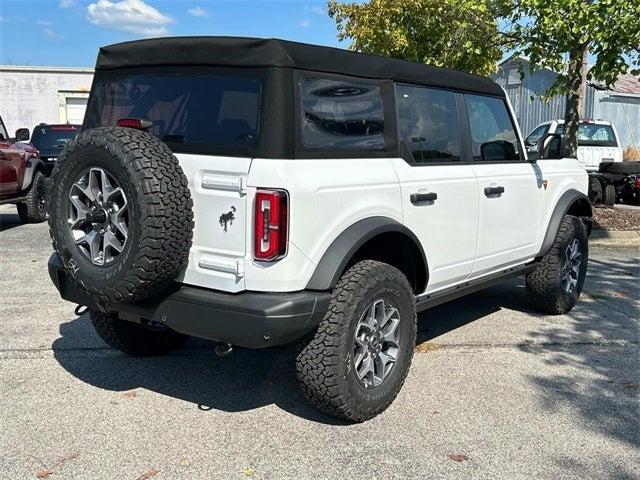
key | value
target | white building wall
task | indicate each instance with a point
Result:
(33, 95)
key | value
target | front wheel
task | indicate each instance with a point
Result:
(358, 359)
(32, 210)
(557, 280)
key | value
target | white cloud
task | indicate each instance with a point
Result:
(305, 23)
(51, 34)
(1, 18)
(44, 23)
(317, 9)
(131, 16)
(68, 3)
(198, 12)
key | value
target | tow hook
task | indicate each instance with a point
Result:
(223, 349)
(81, 310)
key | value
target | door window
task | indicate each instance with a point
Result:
(340, 114)
(535, 136)
(428, 124)
(493, 136)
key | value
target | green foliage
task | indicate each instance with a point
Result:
(553, 32)
(458, 34)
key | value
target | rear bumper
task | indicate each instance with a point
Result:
(249, 319)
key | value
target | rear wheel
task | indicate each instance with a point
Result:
(556, 282)
(357, 361)
(133, 338)
(32, 210)
(595, 190)
(609, 195)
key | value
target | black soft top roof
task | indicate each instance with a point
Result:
(258, 52)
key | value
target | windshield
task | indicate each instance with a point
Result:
(593, 135)
(53, 137)
(220, 110)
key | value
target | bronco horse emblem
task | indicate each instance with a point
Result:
(227, 218)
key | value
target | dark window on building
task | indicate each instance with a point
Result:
(338, 114)
(493, 137)
(428, 123)
(218, 110)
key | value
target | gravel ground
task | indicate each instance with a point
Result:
(619, 217)
(499, 392)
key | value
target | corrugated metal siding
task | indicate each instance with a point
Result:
(621, 110)
(529, 108)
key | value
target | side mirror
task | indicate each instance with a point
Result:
(552, 146)
(22, 134)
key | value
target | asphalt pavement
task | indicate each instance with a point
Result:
(496, 391)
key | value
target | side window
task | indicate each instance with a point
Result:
(340, 114)
(493, 137)
(428, 123)
(535, 136)
(3, 131)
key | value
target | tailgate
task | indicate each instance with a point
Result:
(591, 157)
(217, 187)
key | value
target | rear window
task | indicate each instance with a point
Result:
(219, 110)
(593, 135)
(53, 137)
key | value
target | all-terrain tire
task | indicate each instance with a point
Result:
(609, 195)
(545, 282)
(135, 339)
(625, 168)
(595, 190)
(33, 210)
(325, 366)
(159, 206)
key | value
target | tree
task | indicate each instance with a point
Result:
(458, 34)
(559, 34)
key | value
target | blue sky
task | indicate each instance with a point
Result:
(69, 32)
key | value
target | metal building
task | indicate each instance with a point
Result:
(33, 95)
(619, 105)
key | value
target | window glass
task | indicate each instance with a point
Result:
(428, 123)
(47, 137)
(218, 110)
(593, 135)
(340, 114)
(493, 137)
(3, 131)
(535, 136)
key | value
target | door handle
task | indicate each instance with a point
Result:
(491, 191)
(423, 197)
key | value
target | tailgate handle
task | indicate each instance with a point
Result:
(223, 182)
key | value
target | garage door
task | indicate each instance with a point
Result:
(75, 109)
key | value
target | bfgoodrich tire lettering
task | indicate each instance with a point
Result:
(159, 208)
(545, 282)
(325, 366)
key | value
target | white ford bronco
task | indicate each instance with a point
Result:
(259, 192)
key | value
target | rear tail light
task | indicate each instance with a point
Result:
(271, 225)
(136, 123)
(637, 182)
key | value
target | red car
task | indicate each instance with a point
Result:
(22, 175)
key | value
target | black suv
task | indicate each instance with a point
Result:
(51, 139)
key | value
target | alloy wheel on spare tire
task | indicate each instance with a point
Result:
(121, 214)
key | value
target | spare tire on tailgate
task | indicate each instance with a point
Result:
(121, 215)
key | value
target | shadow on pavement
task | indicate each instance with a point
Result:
(599, 339)
(246, 379)
(9, 221)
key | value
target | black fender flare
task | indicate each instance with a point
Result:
(33, 164)
(337, 256)
(564, 204)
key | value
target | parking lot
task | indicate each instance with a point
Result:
(495, 391)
